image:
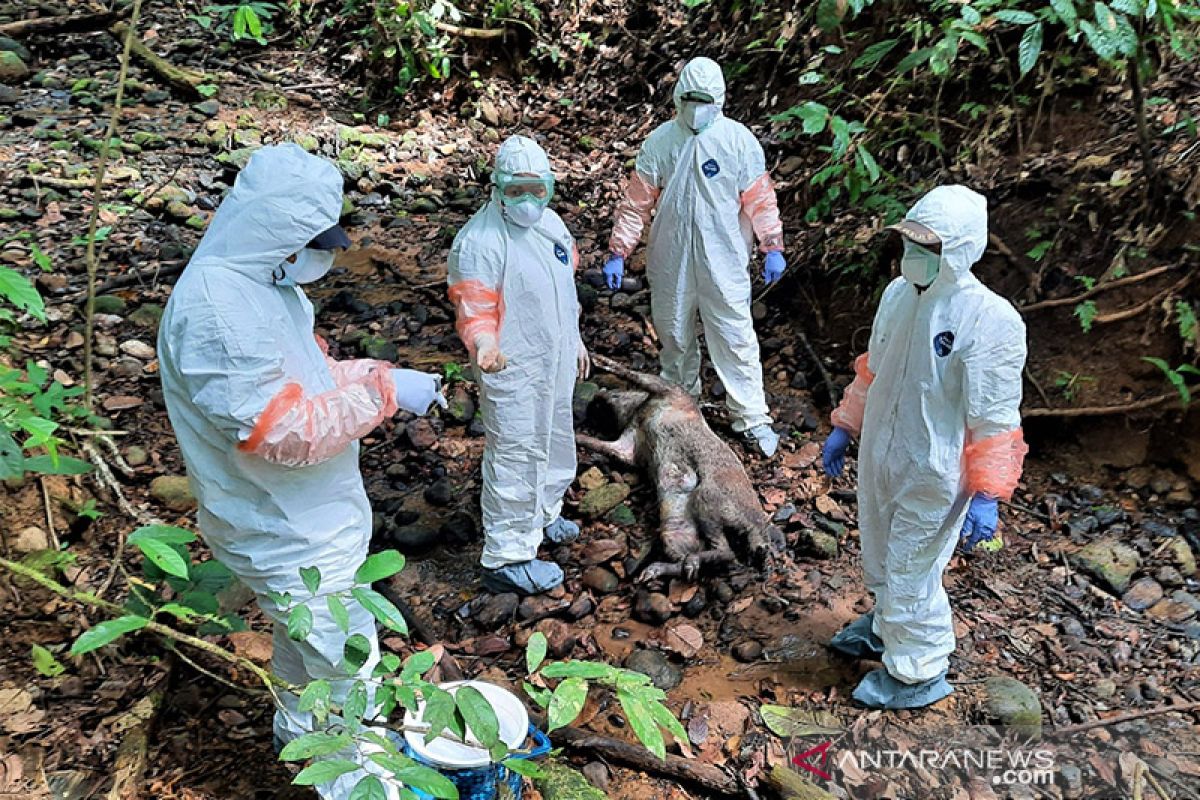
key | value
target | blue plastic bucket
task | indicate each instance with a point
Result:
(483, 783)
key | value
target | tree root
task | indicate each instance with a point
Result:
(1098, 411)
(1150, 712)
(66, 23)
(185, 80)
(1098, 288)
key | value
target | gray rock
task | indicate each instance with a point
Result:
(29, 540)
(379, 348)
(413, 537)
(747, 651)
(585, 392)
(784, 513)
(12, 67)
(174, 492)
(13, 46)
(462, 407)
(1144, 593)
(496, 610)
(1080, 527)
(147, 315)
(138, 349)
(1070, 780)
(1111, 562)
(818, 544)
(439, 493)
(209, 108)
(136, 456)
(597, 774)
(1169, 576)
(1179, 554)
(621, 300)
(1013, 704)
(1159, 529)
(654, 665)
(601, 580)
(653, 608)
(602, 499)
(126, 367)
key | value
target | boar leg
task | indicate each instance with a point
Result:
(619, 450)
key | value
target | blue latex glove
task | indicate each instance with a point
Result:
(773, 267)
(614, 271)
(834, 454)
(983, 515)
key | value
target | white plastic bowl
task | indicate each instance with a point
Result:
(441, 752)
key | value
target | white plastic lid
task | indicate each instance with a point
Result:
(510, 711)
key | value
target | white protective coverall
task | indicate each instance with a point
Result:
(712, 194)
(267, 424)
(937, 401)
(518, 284)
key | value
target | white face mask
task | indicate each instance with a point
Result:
(525, 214)
(310, 265)
(698, 116)
(920, 266)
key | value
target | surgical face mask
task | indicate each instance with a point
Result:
(919, 266)
(525, 213)
(310, 265)
(698, 116)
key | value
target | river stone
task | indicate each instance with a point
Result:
(601, 580)
(173, 492)
(1109, 561)
(818, 544)
(1180, 555)
(208, 108)
(495, 611)
(12, 68)
(1013, 704)
(1144, 593)
(147, 315)
(136, 456)
(602, 499)
(560, 782)
(653, 608)
(138, 349)
(110, 304)
(31, 539)
(13, 46)
(654, 665)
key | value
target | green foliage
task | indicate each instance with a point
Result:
(453, 372)
(1185, 317)
(1176, 377)
(1069, 383)
(242, 20)
(45, 662)
(1086, 313)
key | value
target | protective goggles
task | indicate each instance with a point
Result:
(520, 188)
(697, 97)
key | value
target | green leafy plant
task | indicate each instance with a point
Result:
(1086, 312)
(1175, 377)
(453, 372)
(1069, 383)
(243, 20)
(1189, 328)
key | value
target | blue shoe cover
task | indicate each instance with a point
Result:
(858, 640)
(878, 689)
(562, 531)
(528, 577)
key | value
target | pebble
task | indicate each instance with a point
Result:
(136, 456)
(654, 665)
(1144, 593)
(747, 651)
(597, 775)
(1013, 704)
(174, 492)
(495, 611)
(653, 608)
(421, 433)
(601, 580)
(31, 539)
(138, 349)
(1159, 529)
(581, 607)
(439, 493)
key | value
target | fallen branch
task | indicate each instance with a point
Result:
(1097, 289)
(185, 80)
(470, 33)
(66, 23)
(1132, 715)
(130, 766)
(1098, 411)
(697, 773)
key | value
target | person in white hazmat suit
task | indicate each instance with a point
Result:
(512, 282)
(268, 424)
(936, 406)
(706, 177)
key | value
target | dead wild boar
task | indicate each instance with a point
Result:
(705, 499)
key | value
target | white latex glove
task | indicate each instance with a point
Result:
(583, 363)
(417, 391)
(487, 353)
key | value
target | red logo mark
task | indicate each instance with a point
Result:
(802, 760)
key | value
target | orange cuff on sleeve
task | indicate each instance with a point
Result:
(287, 399)
(480, 310)
(633, 214)
(849, 413)
(762, 208)
(994, 464)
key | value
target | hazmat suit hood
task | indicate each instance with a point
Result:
(958, 216)
(281, 199)
(520, 154)
(700, 75)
